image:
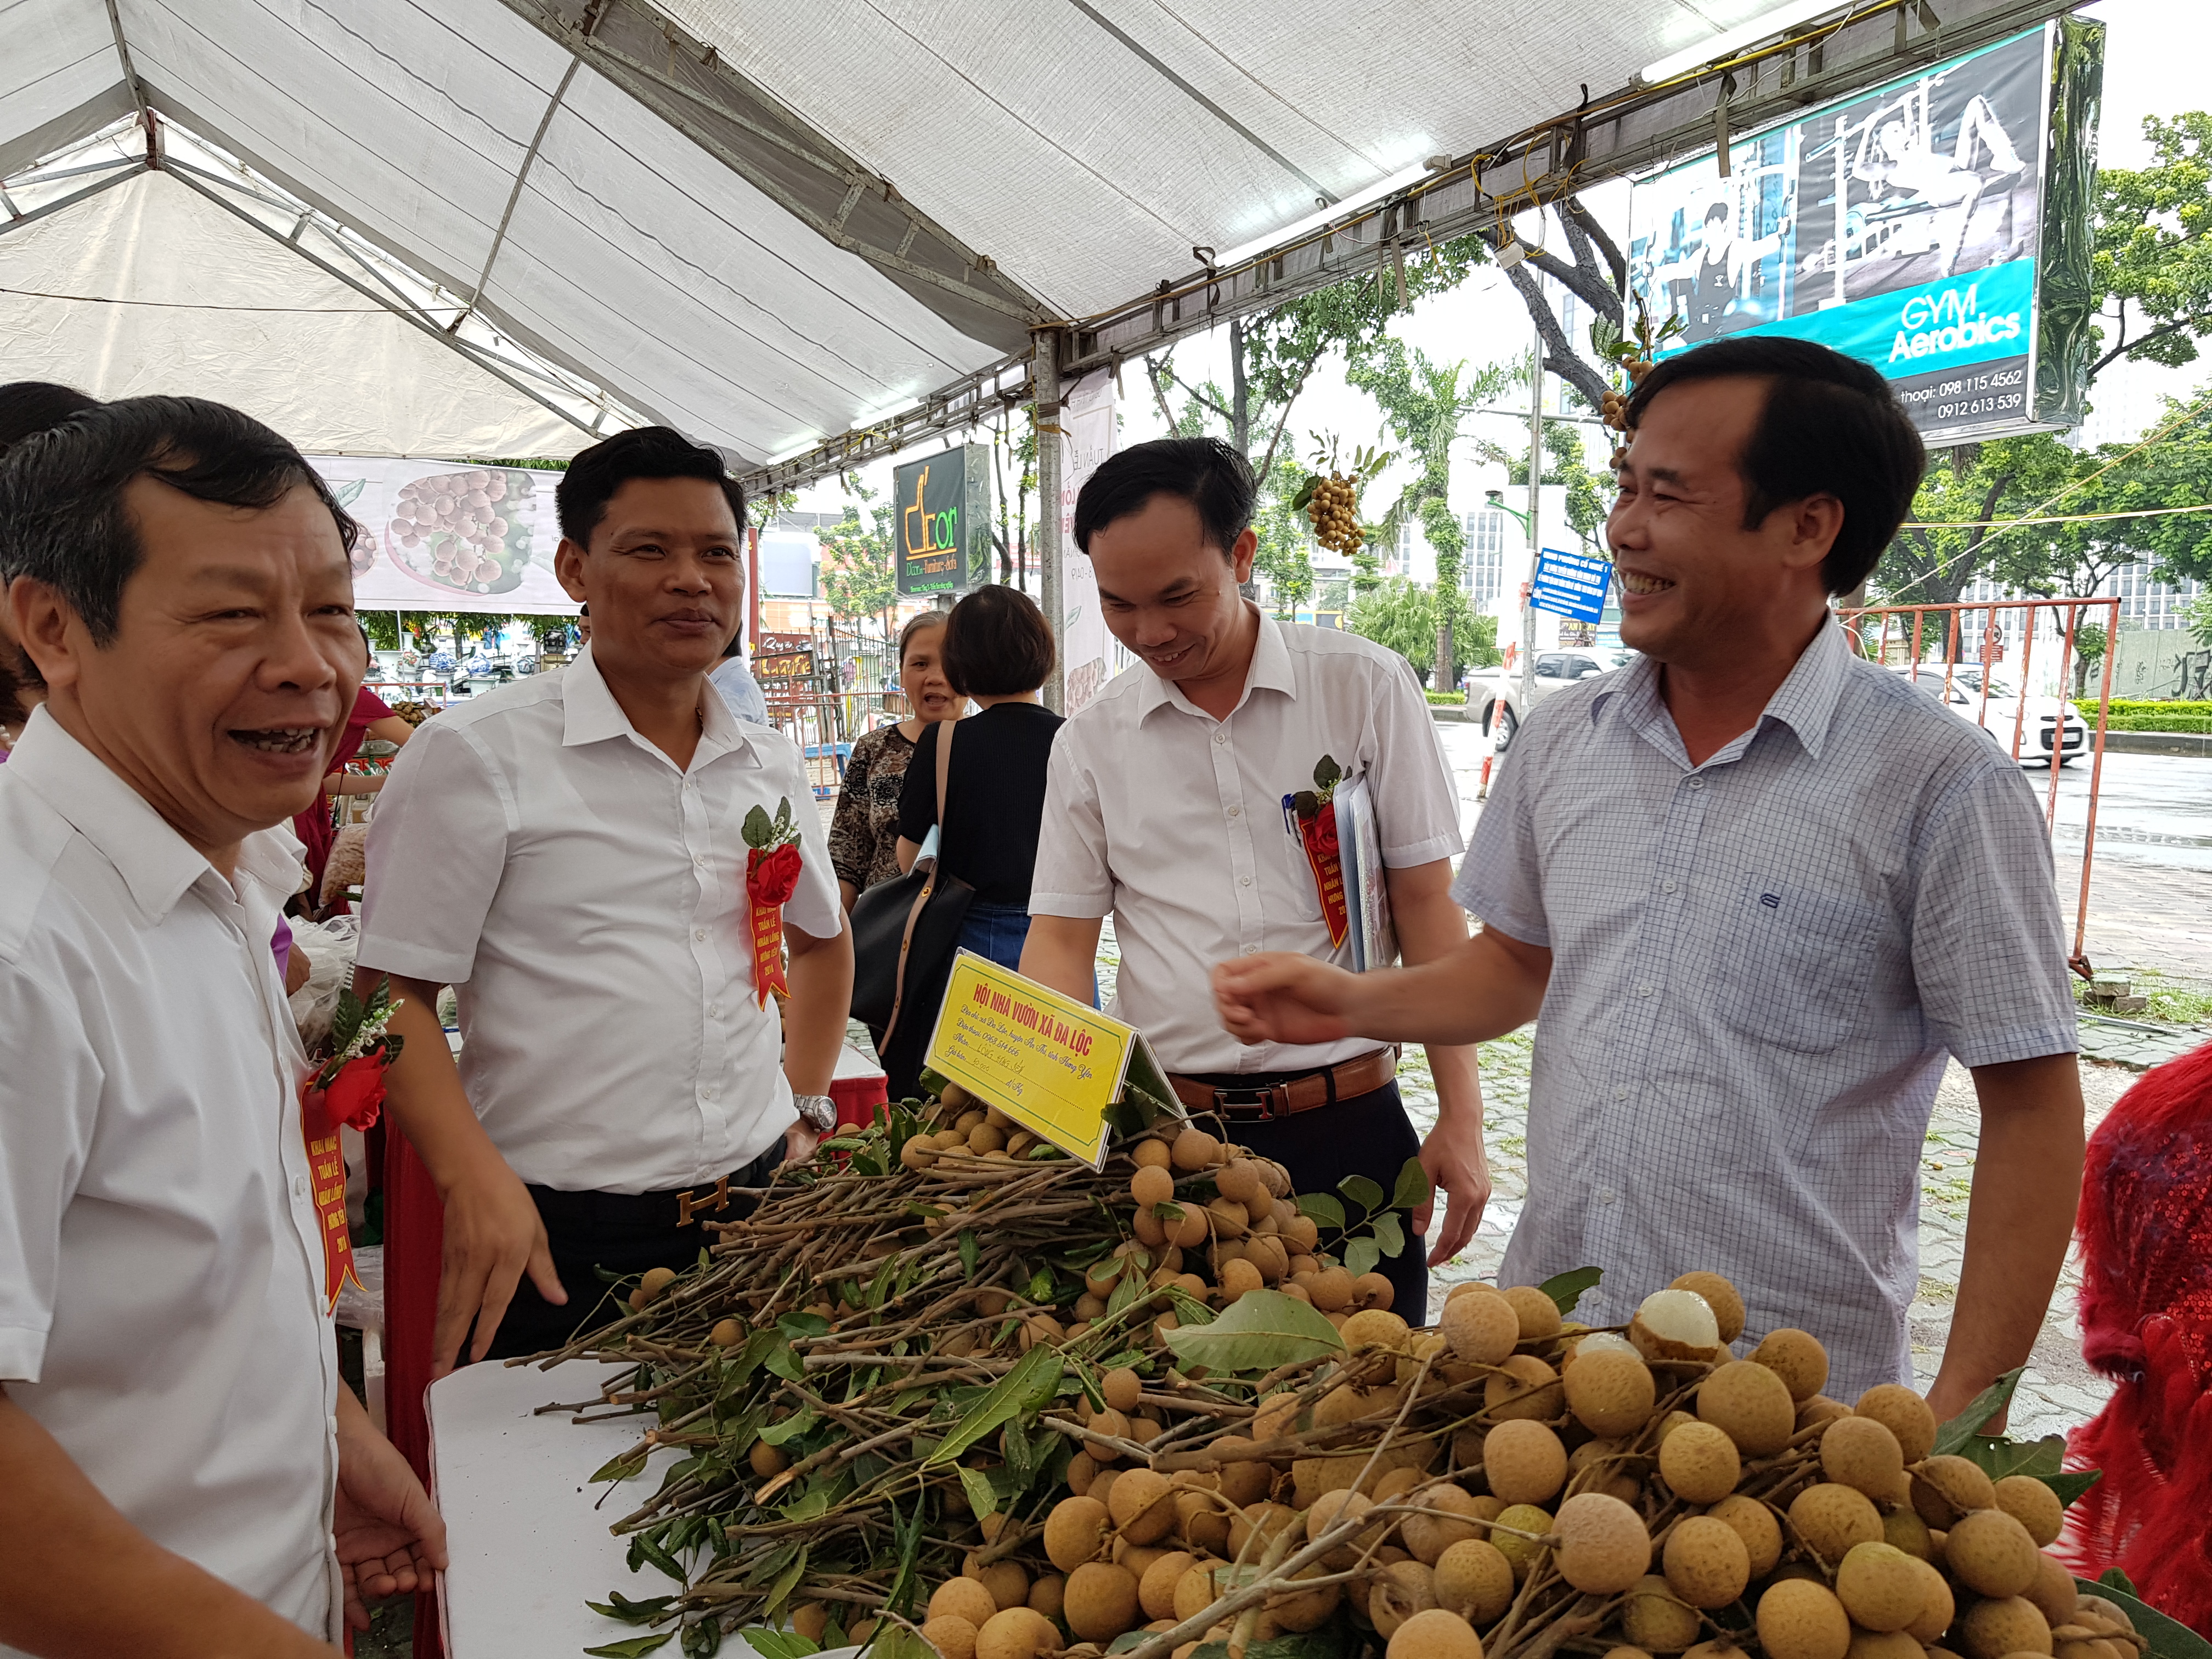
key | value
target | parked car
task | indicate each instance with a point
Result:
(2038, 721)
(1493, 695)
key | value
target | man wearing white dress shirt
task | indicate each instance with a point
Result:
(176, 1450)
(568, 854)
(1164, 807)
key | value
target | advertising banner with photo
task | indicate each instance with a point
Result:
(436, 535)
(1087, 649)
(1919, 228)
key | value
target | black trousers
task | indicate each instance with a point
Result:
(623, 1233)
(1369, 1135)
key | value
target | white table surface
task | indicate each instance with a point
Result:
(527, 1546)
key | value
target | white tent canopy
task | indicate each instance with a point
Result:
(764, 224)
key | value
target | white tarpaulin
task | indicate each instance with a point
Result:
(202, 305)
(767, 224)
(436, 536)
(1087, 649)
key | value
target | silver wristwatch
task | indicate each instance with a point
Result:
(818, 1112)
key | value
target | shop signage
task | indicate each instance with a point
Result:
(1571, 585)
(1053, 1065)
(941, 520)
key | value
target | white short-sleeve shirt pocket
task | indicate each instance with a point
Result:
(1796, 962)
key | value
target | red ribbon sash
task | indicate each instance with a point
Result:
(771, 877)
(326, 1170)
(1318, 836)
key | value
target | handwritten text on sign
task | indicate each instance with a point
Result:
(1050, 1063)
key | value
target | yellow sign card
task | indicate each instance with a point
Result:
(1052, 1064)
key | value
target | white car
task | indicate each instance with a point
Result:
(1494, 696)
(2003, 713)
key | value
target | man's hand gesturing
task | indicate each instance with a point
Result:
(1281, 996)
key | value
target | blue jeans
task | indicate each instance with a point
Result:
(996, 931)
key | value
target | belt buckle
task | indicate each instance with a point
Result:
(689, 1205)
(1271, 1101)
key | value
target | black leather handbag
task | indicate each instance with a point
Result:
(905, 932)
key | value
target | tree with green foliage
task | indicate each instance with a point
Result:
(1285, 553)
(1567, 463)
(1402, 614)
(859, 571)
(1423, 403)
(2154, 246)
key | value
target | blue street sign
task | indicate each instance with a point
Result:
(1570, 584)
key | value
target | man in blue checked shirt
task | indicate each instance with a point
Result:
(1758, 888)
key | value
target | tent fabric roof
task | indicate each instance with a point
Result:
(766, 224)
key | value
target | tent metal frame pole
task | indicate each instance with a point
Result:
(127, 170)
(413, 319)
(1044, 383)
(514, 195)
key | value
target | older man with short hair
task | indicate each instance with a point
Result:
(1760, 889)
(175, 1443)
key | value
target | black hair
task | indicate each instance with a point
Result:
(645, 451)
(583, 610)
(1830, 426)
(63, 520)
(996, 644)
(29, 406)
(736, 645)
(1717, 211)
(1205, 471)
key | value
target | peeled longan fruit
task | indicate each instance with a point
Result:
(1539, 1316)
(1428, 1536)
(1751, 1404)
(1675, 1325)
(1754, 1524)
(1904, 1414)
(1938, 1607)
(1481, 1330)
(2034, 1505)
(1657, 1620)
(1020, 1632)
(1991, 1554)
(1194, 1150)
(1829, 1520)
(1075, 1532)
(1797, 1357)
(1878, 1588)
(1434, 1634)
(1699, 1462)
(2054, 1592)
(1611, 1392)
(1945, 1488)
(1399, 1590)
(953, 1637)
(1861, 1452)
(1523, 1387)
(1725, 1300)
(1101, 1601)
(1705, 1563)
(1603, 1545)
(1142, 1505)
(2001, 1625)
(1473, 1580)
(1800, 1619)
(962, 1598)
(1525, 1463)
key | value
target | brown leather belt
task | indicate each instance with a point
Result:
(1302, 1093)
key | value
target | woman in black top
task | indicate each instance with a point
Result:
(998, 652)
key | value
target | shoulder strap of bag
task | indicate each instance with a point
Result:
(929, 886)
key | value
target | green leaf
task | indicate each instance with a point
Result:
(1325, 1210)
(1360, 1256)
(757, 830)
(1954, 1435)
(780, 1643)
(629, 1612)
(1389, 1233)
(1328, 774)
(1127, 1291)
(2114, 1579)
(1568, 1288)
(810, 1505)
(797, 1423)
(1034, 1379)
(982, 1496)
(786, 1582)
(2168, 1638)
(798, 1325)
(624, 1466)
(1258, 1331)
(644, 1548)
(1999, 1457)
(1414, 1189)
(1298, 504)
(1188, 1309)
(970, 1253)
(1039, 1285)
(634, 1647)
(1366, 1193)
(2071, 1484)
(783, 1359)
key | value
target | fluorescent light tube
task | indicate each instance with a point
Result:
(1315, 221)
(1773, 22)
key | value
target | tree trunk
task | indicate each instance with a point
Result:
(1240, 398)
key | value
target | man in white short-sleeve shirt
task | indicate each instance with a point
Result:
(1760, 887)
(571, 854)
(1166, 807)
(176, 1450)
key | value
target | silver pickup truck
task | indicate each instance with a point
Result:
(1494, 697)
